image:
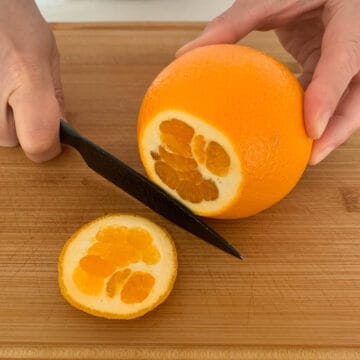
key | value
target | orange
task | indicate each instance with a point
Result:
(221, 129)
(118, 266)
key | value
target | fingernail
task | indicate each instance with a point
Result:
(321, 155)
(320, 125)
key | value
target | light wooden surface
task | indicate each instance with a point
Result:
(297, 294)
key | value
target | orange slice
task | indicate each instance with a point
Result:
(221, 129)
(118, 266)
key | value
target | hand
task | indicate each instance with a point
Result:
(30, 91)
(324, 36)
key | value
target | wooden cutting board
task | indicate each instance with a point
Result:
(297, 294)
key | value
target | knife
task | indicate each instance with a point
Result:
(141, 188)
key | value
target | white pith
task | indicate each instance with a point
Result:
(227, 185)
(163, 271)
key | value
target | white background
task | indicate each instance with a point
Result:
(131, 10)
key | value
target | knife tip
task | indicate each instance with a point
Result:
(232, 251)
(240, 257)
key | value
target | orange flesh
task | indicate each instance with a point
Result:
(151, 255)
(175, 127)
(177, 162)
(199, 149)
(124, 255)
(178, 167)
(118, 247)
(217, 159)
(176, 145)
(137, 287)
(189, 191)
(155, 155)
(167, 174)
(117, 281)
(139, 238)
(112, 234)
(101, 249)
(96, 266)
(90, 285)
(209, 190)
(193, 176)
(170, 130)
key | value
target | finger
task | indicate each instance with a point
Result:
(338, 64)
(37, 114)
(247, 15)
(293, 15)
(55, 73)
(227, 28)
(8, 135)
(302, 39)
(308, 68)
(342, 125)
(305, 79)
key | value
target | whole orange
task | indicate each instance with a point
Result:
(221, 129)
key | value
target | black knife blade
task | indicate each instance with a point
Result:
(141, 188)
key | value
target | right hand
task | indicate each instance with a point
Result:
(324, 36)
(31, 97)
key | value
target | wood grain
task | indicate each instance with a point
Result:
(296, 295)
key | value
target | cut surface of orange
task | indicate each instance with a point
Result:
(221, 129)
(119, 266)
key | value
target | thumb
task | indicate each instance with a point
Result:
(339, 63)
(37, 115)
